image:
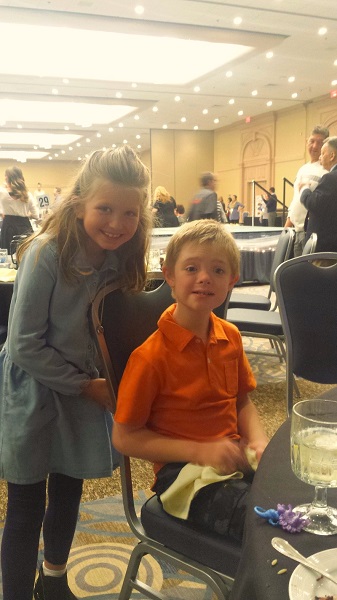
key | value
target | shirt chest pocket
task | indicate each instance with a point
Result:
(231, 377)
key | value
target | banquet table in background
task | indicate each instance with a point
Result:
(274, 482)
(256, 244)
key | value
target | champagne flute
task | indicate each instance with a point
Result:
(314, 459)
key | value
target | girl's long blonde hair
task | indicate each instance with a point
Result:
(121, 166)
(16, 182)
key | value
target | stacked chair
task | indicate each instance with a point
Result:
(121, 322)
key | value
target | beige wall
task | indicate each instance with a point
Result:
(177, 160)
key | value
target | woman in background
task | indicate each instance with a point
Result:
(163, 209)
(17, 206)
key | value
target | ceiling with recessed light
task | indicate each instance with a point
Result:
(77, 75)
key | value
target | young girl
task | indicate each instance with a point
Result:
(18, 206)
(54, 408)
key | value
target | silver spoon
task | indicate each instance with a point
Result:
(287, 549)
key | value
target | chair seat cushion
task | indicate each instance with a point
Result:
(256, 321)
(213, 550)
(254, 301)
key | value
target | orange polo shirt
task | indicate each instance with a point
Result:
(176, 385)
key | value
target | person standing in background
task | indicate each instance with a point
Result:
(234, 216)
(321, 202)
(163, 208)
(39, 191)
(271, 203)
(205, 203)
(312, 171)
(17, 206)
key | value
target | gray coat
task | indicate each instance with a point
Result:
(45, 424)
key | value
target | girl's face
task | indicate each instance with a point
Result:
(110, 217)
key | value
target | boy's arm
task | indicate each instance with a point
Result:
(224, 454)
(250, 427)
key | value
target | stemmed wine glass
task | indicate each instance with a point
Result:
(314, 459)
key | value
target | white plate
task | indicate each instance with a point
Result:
(303, 584)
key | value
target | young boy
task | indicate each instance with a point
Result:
(183, 400)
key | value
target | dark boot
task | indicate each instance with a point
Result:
(52, 588)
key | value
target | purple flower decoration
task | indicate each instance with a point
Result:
(284, 517)
(289, 520)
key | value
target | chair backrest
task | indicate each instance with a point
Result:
(283, 252)
(127, 320)
(306, 294)
(310, 244)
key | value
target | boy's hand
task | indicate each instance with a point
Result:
(97, 390)
(224, 455)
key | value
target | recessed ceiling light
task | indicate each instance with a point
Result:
(111, 129)
(54, 91)
(196, 88)
(119, 95)
(254, 93)
(178, 60)
(66, 127)
(125, 141)
(205, 111)
(294, 95)
(334, 82)
(65, 80)
(19, 126)
(270, 54)
(240, 113)
(195, 127)
(216, 120)
(139, 9)
(139, 146)
(291, 79)
(136, 117)
(134, 85)
(269, 103)
(164, 126)
(98, 135)
(120, 124)
(177, 98)
(155, 108)
(237, 21)
(229, 74)
(88, 140)
(137, 136)
(231, 101)
(335, 62)
(183, 119)
(322, 31)
(78, 144)
(70, 148)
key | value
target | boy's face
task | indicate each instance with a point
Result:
(201, 277)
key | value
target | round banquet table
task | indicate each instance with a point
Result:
(274, 483)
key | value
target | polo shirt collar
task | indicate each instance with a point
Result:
(181, 336)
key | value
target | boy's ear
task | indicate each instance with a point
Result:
(169, 278)
(233, 281)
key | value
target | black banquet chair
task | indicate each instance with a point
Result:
(306, 294)
(122, 322)
(283, 251)
(262, 323)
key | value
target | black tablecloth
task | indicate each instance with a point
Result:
(275, 483)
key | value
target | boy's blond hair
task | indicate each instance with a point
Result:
(120, 166)
(204, 231)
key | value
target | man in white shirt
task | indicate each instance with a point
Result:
(312, 171)
(39, 191)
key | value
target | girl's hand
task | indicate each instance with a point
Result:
(259, 446)
(225, 456)
(97, 390)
